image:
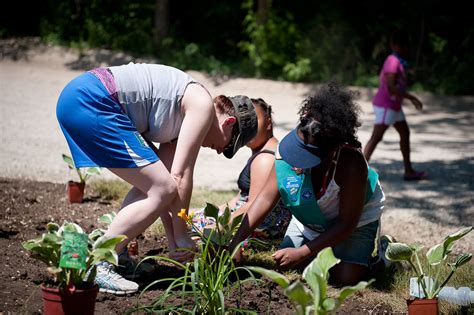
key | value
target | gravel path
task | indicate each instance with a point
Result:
(32, 76)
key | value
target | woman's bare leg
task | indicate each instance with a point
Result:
(377, 135)
(404, 132)
(159, 190)
(135, 195)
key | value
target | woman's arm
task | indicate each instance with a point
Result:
(199, 114)
(351, 176)
(260, 170)
(391, 79)
(260, 207)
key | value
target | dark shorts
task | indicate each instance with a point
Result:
(356, 249)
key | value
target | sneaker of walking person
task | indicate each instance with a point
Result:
(133, 270)
(110, 281)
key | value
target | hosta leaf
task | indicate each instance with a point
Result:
(69, 161)
(70, 227)
(329, 304)
(106, 254)
(324, 261)
(30, 244)
(52, 238)
(93, 170)
(108, 241)
(299, 293)
(52, 227)
(107, 218)
(54, 270)
(435, 254)
(450, 239)
(94, 235)
(399, 252)
(462, 259)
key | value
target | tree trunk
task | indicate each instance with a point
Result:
(420, 40)
(162, 21)
(263, 11)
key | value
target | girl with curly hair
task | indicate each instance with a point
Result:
(323, 178)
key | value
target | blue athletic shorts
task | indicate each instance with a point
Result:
(356, 249)
(97, 131)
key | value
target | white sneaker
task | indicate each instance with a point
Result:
(110, 281)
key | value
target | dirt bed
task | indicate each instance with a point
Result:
(29, 206)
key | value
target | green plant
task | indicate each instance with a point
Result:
(49, 249)
(206, 277)
(271, 43)
(436, 256)
(315, 299)
(223, 231)
(83, 177)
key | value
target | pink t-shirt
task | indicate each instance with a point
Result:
(383, 98)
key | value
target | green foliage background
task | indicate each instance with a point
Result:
(299, 41)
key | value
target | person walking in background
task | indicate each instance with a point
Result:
(322, 177)
(111, 117)
(252, 179)
(387, 103)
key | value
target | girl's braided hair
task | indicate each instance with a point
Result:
(330, 117)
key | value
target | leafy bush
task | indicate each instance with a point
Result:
(271, 44)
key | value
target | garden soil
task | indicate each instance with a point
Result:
(33, 176)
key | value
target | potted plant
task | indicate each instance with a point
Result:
(428, 272)
(313, 300)
(71, 257)
(75, 190)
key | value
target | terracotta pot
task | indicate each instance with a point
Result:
(422, 306)
(75, 191)
(69, 302)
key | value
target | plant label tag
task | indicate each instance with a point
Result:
(74, 250)
(415, 288)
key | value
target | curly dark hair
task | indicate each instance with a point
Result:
(330, 117)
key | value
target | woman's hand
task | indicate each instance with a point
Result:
(417, 103)
(185, 252)
(288, 257)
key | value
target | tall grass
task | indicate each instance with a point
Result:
(111, 190)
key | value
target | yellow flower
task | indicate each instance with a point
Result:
(182, 214)
(187, 218)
